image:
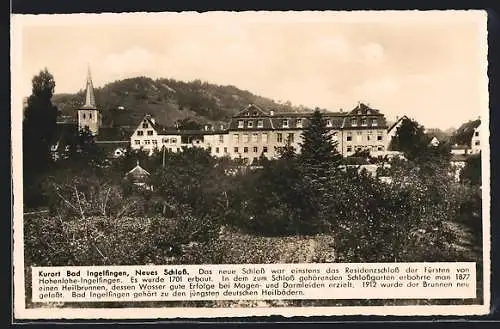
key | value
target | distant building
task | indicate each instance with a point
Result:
(434, 141)
(139, 176)
(393, 129)
(457, 149)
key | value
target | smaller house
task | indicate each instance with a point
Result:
(434, 142)
(476, 140)
(139, 177)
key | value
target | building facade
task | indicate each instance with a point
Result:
(476, 140)
(255, 132)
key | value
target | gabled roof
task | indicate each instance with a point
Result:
(138, 172)
(397, 122)
(363, 109)
(251, 110)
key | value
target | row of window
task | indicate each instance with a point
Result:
(155, 142)
(364, 122)
(264, 138)
(372, 148)
(246, 149)
(90, 116)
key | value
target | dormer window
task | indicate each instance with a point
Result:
(359, 112)
(250, 124)
(299, 123)
(328, 122)
(285, 123)
(240, 124)
(363, 121)
(255, 114)
(260, 123)
(354, 122)
(374, 122)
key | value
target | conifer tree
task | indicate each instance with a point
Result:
(319, 157)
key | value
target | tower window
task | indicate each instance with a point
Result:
(90, 115)
(84, 115)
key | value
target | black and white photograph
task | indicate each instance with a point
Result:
(249, 140)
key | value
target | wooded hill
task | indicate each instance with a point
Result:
(124, 102)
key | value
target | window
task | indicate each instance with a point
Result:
(236, 138)
(260, 124)
(147, 141)
(264, 149)
(164, 140)
(299, 123)
(363, 121)
(246, 138)
(240, 124)
(476, 143)
(369, 135)
(285, 123)
(360, 136)
(221, 139)
(349, 137)
(379, 136)
(245, 149)
(476, 133)
(225, 149)
(173, 140)
(150, 133)
(90, 115)
(290, 138)
(250, 124)
(328, 122)
(84, 115)
(264, 138)
(380, 148)
(236, 150)
(178, 149)
(354, 122)
(255, 149)
(255, 138)
(279, 137)
(140, 133)
(137, 142)
(145, 125)
(155, 142)
(374, 122)
(170, 149)
(349, 149)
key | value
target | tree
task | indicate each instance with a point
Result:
(410, 139)
(39, 127)
(471, 173)
(318, 162)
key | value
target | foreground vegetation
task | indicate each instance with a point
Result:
(297, 208)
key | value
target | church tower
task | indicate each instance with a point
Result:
(89, 115)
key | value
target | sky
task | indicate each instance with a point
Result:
(428, 66)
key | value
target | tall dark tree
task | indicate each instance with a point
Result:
(39, 127)
(319, 163)
(410, 139)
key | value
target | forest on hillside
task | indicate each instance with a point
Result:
(124, 102)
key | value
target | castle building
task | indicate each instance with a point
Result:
(254, 132)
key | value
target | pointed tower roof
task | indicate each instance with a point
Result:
(89, 94)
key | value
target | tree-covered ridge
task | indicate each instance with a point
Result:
(124, 102)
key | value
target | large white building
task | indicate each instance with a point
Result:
(255, 132)
(476, 140)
